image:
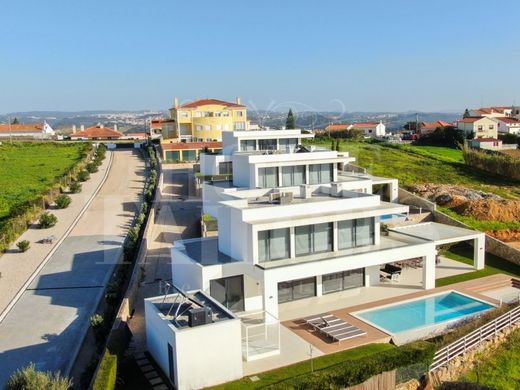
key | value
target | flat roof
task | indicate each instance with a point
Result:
(437, 232)
(175, 307)
(204, 251)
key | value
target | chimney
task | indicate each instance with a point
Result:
(176, 102)
(238, 100)
(115, 127)
(82, 127)
(101, 126)
(73, 129)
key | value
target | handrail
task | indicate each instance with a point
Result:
(459, 347)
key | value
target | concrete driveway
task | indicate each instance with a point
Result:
(48, 323)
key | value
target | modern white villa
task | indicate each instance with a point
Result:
(295, 225)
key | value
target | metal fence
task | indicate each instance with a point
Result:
(461, 346)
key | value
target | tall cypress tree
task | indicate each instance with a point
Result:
(290, 122)
(466, 114)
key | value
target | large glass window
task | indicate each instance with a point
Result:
(267, 144)
(313, 238)
(225, 167)
(248, 145)
(339, 281)
(296, 289)
(287, 144)
(273, 244)
(229, 292)
(268, 177)
(320, 173)
(293, 176)
(355, 232)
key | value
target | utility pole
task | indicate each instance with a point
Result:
(10, 130)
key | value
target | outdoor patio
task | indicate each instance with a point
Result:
(297, 341)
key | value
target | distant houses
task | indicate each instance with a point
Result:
(481, 127)
(26, 130)
(98, 132)
(430, 127)
(368, 129)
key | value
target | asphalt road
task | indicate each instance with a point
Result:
(48, 323)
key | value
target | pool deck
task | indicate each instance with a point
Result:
(473, 288)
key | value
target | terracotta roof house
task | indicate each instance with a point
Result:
(26, 130)
(429, 127)
(338, 127)
(371, 129)
(97, 132)
(507, 124)
(210, 102)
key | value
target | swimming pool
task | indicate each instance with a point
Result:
(389, 217)
(423, 312)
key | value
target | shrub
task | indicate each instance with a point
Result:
(28, 379)
(106, 375)
(353, 372)
(75, 187)
(96, 320)
(92, 167)
(83, 175)
(23, 245)
(63, 201)
(47, 220)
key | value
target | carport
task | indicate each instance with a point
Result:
(442, 234)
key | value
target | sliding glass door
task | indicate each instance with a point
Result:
(313, 238)
(296, 289)
(355, 232)
(339, 281)
(320, 173)
(293, 176)
(268, 177)
(273, 244)
(229, 292)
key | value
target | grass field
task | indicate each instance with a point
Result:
(500, 370)
(464, 254)
(270, 378)
(423, 164)
(28, 169)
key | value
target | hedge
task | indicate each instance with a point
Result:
(107, 373)
(353, 372)
(497, 163)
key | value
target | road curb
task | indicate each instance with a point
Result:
(46, 259)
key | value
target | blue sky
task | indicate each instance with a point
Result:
(324, 55)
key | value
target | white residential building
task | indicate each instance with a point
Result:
(482, 127)
(26, 130)
(370, 129)
(508, 125)
(293, 224)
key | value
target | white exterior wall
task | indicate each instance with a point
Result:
(200, 358)
(369, 261)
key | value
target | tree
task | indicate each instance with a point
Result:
(337, 145)
(15, 121)
(466, 114)
(47, 220)
(29, 378)
(290, 123)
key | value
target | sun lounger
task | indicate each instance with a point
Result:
(335, 328)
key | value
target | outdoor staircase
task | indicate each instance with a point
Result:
(491, 283)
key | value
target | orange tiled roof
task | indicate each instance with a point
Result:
(207, 102)
(434, 125)
(337, 127)
(21, 128)
(508, 119)
(362, 125)
(470, 119)
(97, 132)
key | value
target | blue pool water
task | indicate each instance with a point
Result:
(388, 217)
(423, 312)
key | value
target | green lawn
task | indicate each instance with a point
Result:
(275, 376)
(464, 254)
(28, 169)
(500, 370)
(423, 164)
